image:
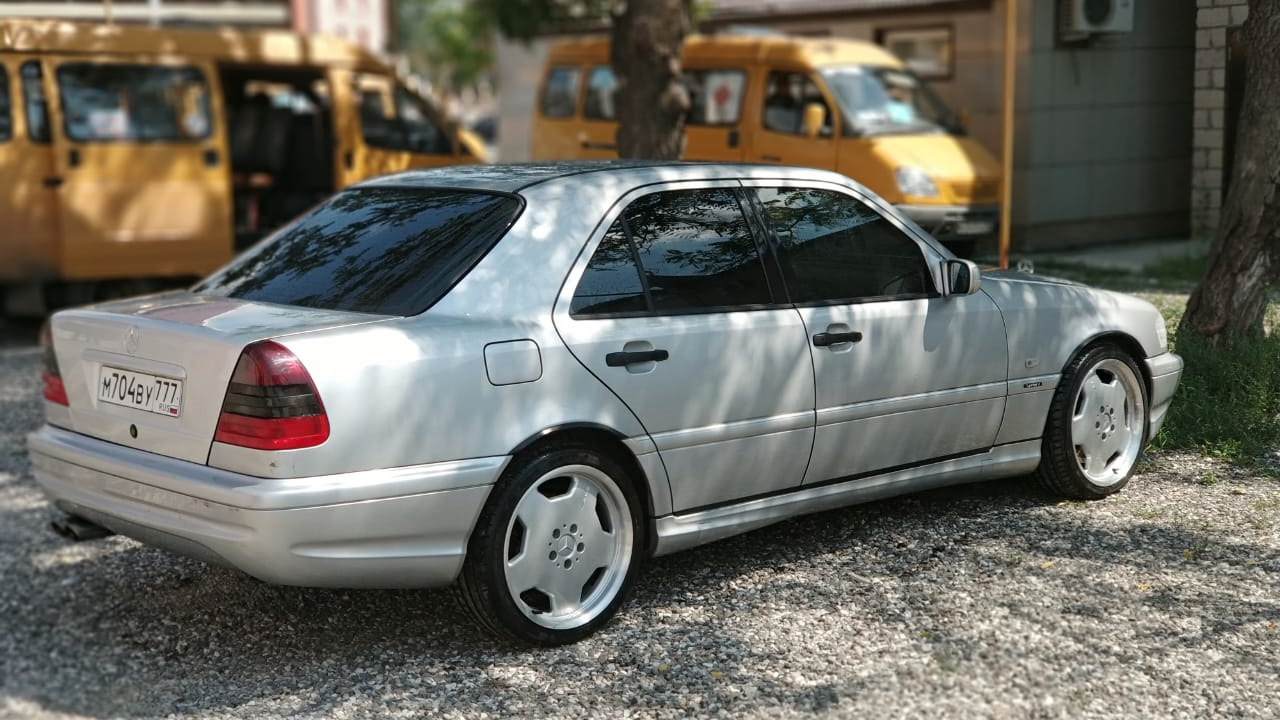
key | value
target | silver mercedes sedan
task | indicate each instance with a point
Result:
(525, 380)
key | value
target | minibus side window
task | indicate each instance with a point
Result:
(786, 96)
(397, 120)
(601, 88)
(6, 120)
(33, 99)
(560, 94)
(106, 103)
(715, 96)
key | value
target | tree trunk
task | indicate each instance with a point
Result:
(1244, 258)
(652, 100)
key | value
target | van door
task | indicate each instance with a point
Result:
(141, 162)
(777, 122)
(28, 227)
(393, 129)
(713, 127)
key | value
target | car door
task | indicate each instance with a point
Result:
(903, 375)
(778, 132)
(143, 181)
(28, 227)
(674, 312)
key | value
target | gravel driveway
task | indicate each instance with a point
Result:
(985, 601)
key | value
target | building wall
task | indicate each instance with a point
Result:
(363, 22)
(1103, 145)
(1208, 119)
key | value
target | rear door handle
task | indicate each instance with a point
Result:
(622, 359)
(826, 339)
(53, 182)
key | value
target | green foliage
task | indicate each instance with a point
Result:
(450, 40)
(1228, 403)
(525, 19)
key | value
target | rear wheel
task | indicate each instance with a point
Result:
(554, 551)
(1096, 427)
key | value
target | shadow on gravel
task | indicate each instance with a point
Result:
(135, 632)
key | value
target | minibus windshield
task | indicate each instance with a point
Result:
(887, 101)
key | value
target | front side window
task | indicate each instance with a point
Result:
(560, 93)
(835, 248)
(394, 118)
(110, 102)
(388, 251)
(715, 96)
(6, 117)
(786, 96)
(601, 87)
(692, 250)
(37, 110)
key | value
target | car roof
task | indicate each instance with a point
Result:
(514, 177)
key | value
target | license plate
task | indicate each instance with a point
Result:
(160, 395)
(975, 227)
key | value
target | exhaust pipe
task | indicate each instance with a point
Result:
(77, 529)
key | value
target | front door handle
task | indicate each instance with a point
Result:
(826, 339)
(622, 359)
(53, 182)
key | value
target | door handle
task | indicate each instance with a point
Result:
(349, 159)
(73, 157)
(622, 359)
(53, 182)
(211, 157)
(771, 158)
(593, 145)
(733, 138)
(826, 339)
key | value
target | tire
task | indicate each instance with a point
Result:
(1097, 426)
(555, 550)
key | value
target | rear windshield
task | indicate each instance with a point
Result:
(387, 251)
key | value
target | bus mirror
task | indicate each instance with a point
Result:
(814, 115)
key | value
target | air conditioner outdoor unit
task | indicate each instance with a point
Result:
(1081, 18)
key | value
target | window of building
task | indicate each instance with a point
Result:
(927, 51)
(835, 248)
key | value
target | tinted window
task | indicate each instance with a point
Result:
(601, 87)
(560, 94)
(695, 248)
(833, 247)
(715, 96)
(611, 283)
(33, 100)
(133, 102)
(6, 118)
(390, 251)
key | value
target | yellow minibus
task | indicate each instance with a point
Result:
(132, 153)
(836, 104)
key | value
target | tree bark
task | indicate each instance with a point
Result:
(1244, 257)
(651, 98)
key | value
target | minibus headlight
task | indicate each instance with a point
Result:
(915, 182)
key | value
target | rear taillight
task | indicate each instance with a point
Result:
(271, 402)
(54, 390)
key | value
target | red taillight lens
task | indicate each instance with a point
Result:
(54, 390)
(271, 402)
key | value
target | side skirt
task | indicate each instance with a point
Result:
(681, 532)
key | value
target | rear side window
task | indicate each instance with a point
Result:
(835, 248)
(674, 252)
(387, 251)
(33, 99)
(6, 116)
(601, 87)
(715, 96)
(560, 93)
(112, 102)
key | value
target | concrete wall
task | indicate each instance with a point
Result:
(1103, 146)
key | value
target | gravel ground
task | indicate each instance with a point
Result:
(989, 601)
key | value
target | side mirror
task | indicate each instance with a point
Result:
(814, 115)
(962, 277)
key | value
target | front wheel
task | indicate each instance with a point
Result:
(553, 552)
(1096, 427)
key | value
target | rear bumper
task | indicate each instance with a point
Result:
(398, 527)
(955, 222)
(1165, 370)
